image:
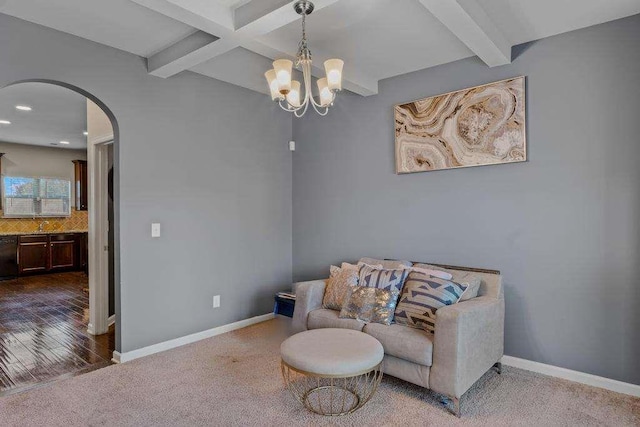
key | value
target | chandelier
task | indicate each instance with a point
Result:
(287, 92)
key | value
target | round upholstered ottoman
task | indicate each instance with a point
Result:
(332, 371)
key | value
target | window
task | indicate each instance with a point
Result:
(29, 197)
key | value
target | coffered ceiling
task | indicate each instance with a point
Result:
(236, 40)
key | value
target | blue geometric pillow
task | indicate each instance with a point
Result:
(388, 279)
(423, 295)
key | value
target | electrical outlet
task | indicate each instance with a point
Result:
(216, 301)
(155, 229)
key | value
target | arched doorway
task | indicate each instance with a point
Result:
(101, 137)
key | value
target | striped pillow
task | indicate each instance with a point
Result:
(388, 279)
(423, 295)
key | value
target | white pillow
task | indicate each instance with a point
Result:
(357, 266)
(435, 273)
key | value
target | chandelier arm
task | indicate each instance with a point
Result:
(308, 79)
(306, 106)
(298, 114)
(284, 107)
(317, 108)
(315, 104)
(306, 75)
(288, 107)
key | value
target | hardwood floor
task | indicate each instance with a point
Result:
(43, 331)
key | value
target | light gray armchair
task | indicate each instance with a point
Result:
(468, 339)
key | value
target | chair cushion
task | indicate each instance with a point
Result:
(414, 345)
(325, 318)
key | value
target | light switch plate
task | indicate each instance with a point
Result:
(155, 229)
(216, 301)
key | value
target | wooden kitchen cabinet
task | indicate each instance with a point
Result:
(82, 245)
(62, 250)
(81, 185)
(52, 252)
(33, 254)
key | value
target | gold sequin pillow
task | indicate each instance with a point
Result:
(338, 285)
(372, 305)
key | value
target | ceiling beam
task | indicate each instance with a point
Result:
(217, 21)
(256, 18)
(233, 29)
(183, 53)
(252, 11)
(470, 23)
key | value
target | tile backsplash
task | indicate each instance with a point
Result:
(78, 221)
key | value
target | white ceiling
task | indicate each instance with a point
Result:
(122, 24)
(235, 40)
(58, 114)
(379, 37)
(525, 20)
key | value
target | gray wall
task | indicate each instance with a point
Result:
(33, 160)
(562, 228)
(206, 159)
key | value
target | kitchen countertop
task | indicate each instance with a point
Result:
(35, 233)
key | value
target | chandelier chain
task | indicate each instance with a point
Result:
(303, 47)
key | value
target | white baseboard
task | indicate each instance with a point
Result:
(576, 376)
(111, 320)
(188, 339)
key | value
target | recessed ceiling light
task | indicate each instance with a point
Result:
(85, 133)
(5, 122)
(23, 108)
(64, 142)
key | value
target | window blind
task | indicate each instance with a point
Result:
(28, 197)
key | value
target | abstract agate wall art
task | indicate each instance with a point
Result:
(483, 125)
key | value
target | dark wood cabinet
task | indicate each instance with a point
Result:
(82, 246)
(33, 254)
(52, 252)
(81, 185)
(62, 249)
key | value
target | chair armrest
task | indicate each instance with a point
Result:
(308, 298)
(469, 340)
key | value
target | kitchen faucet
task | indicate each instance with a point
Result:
(41, 226)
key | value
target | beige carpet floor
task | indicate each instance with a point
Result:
(234, 380)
